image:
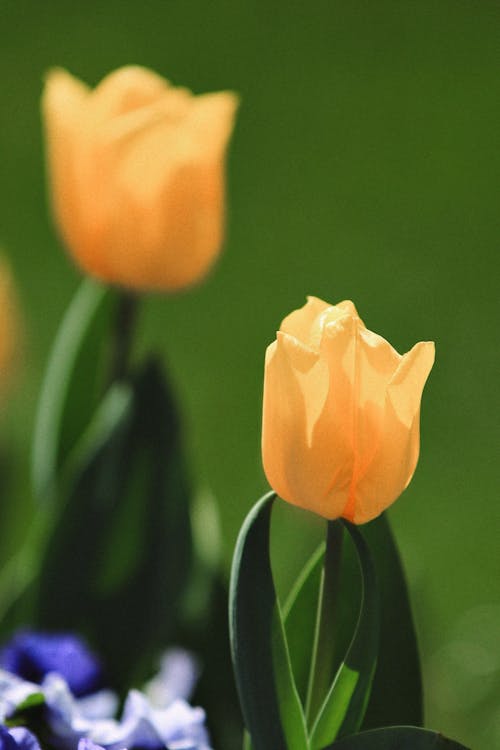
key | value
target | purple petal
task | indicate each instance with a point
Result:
(17, 738)
(100, 705)
(179, 672)
(86, 744)
(32, 655)
(13, 692)
(24, 739)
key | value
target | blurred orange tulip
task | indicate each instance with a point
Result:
(341, 416)
(9, 325)
(136, 168)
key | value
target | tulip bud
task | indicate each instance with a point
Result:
(340, 433)
(136, 168)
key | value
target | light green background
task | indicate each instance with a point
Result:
(364, 165)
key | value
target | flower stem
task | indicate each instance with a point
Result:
(122, 335)
(320, 674)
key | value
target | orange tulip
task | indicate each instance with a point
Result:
(9, 325)
(340, 433)
(136, 168)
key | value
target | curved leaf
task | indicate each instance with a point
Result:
(396, 697)
(326, 636)
(397, 738)
(343, 709)
(120, 553)
(72, 383)
(22, 569)
(271, 707)
(299, 616)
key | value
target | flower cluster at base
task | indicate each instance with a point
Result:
(84, 718)
(18, 738)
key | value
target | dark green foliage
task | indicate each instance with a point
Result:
(397, 738)
(267, 703)
(396, 697)
(119, 556)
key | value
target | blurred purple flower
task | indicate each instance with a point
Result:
(13, 692)
(17, 738)
(100, 705)
(158, 720)
(33, 655)
(179, 672)
(176, 727)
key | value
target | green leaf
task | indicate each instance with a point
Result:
(112, 411)
(299, 619)
(343, 709)
(208, 637)
(72, 384)
(328, 622)
(18, 576)
(396, 697)
(120, 554)
(271, 707)
(32, 701)
(397, 738)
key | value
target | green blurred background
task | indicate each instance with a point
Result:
(362, 167)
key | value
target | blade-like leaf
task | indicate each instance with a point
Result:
(271, 707)
(112, 411)
(397, 738)
(327, 631)
(299, 619)
(396, 697)
(72, 383)
(343, 709)
(120, 553)
(19, 574)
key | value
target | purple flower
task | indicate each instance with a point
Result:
(179, 726)
(178, 675)
(17, 738)
(78, 717)
(32, 655)
(14, 691)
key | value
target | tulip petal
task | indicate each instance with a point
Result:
(393, 464)
(193, 217)
(210, 123)
(124, 90)
(63, 105)
(179, 130)
(296, 386)
(390, 470)
(407, 383)
(347, 306)
(150, 148)
(181, 238)
(361, 364)
(63, 97)
(300, 322)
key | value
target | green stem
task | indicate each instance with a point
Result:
(320, 674)
(122, 335)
